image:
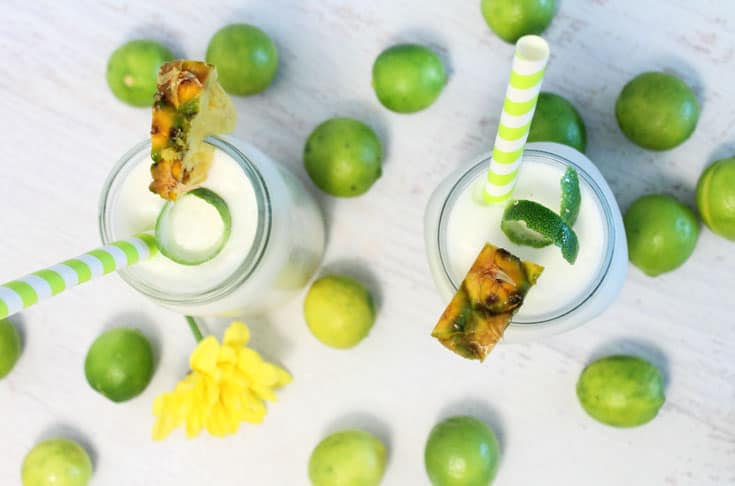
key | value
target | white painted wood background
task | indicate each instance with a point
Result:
(63, 130)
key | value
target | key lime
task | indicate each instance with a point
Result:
(56, 462)
(461, 451)
(657, 111)
(9, 347)
(532, 224)
(132, 71)
(119, 364)
(512, 19)
(343, 157)
(408, 77)
(339, 311)
(348, 458)
(556, 120)
(245, 57)
(622, 391)
(661, 233)
(716, 197)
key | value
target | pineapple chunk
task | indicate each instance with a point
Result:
(188, 106)
(482, 308)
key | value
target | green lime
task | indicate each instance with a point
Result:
(512, 19)
(716, 197)
(132, 71)
(532, 224)
(622, 391)
(348, 458)
(9, 347)
(461, 451)
(245, 57)
(119, 364)
(661, 233)
(339, 311)
(56, 462)
(556, 120)
(408, 77)
(571, 197)
(343, 157)
(657, 110)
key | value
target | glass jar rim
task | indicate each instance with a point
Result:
(250, 261)
(470, 174)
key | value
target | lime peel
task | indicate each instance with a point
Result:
(571, 197)
(179, 233)
(532, 224)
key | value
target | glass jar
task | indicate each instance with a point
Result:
(286, 249)
(598, 294)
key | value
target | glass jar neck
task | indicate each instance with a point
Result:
(247, 265)
(465, 181)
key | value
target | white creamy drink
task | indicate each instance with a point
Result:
(139, 208)
(275, 243)
(457, 225)
(561, 282)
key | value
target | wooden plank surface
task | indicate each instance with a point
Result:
(63, 130)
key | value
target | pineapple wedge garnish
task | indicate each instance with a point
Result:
(189, 105)
(482, 308)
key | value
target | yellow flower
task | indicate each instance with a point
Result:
(228, 384)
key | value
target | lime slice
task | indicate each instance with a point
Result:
(195, 228)
(570, 196)
(532, 224)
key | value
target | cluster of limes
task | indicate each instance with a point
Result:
(622, 391)
(343, 157)
(119, 365)
(658, 111)
(459, 451)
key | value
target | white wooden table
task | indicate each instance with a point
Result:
(63, 130)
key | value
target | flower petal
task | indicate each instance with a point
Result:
(228, 384)
(204, 357)
(237, 335)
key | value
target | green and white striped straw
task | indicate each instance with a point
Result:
(18, 294)
(526, 76)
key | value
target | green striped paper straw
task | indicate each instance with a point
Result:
(526, 76)
(18, 294)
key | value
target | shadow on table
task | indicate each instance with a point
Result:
(680, 67)
(636, 347)
(368, 114)
(19, 321)
(431, 38)
(480, 409)
(66, 431)
(360, 271)
(144, 324)
(723, 151)
(265, 338)
(158, 32)
(363, 421)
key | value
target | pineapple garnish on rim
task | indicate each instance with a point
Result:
(189, 105)
(482, 308)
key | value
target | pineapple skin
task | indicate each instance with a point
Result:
(482, 308)
(188, 105)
